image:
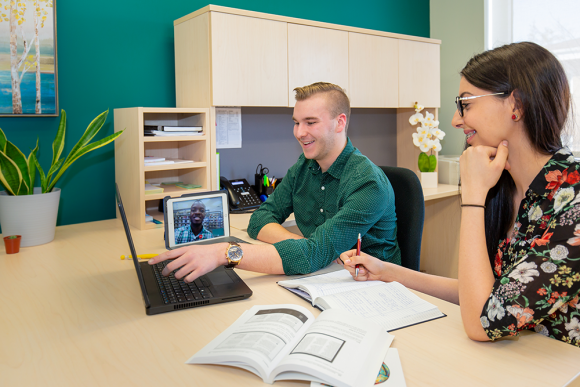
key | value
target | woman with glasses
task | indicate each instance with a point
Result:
(519, 242)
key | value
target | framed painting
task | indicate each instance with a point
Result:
(28, 79)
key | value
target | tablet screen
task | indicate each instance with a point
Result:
(196, 218)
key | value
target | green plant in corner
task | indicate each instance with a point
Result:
(17, 172)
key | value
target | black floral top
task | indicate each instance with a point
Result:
(537, 271)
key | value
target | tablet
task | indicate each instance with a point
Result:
(196, 219)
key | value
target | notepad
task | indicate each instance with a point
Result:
(388, 304)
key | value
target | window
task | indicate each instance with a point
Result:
(553, 25)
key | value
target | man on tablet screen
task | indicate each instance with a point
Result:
(195, 230)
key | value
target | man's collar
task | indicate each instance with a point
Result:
(337, 167)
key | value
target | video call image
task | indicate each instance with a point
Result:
(199, 219)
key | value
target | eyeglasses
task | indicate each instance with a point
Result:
(460, 105)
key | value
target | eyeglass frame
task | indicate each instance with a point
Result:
(460, 105)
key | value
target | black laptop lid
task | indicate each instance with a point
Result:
(132, 248)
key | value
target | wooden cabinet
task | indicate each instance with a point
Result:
(373, 71)
(132, 147)
(419, 74)
(231, 57)
(231, 60)
(316, 55)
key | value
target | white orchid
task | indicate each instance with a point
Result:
(418, 139)
(427, 138)
(416, 118)
(495, 309)
(438, 133)
(573, 328)
(563, 197)
(434, 145)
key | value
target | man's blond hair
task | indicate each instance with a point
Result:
(338, 102)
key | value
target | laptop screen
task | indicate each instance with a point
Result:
(196, 218)
(132, 247)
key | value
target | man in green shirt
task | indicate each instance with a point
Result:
(334, 191)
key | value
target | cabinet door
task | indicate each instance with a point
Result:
(419, 75)
(373, 71)
(249, 61)
(316, 55)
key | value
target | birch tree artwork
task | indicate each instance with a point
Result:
(27, 58)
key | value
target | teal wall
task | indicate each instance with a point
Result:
(115, 54)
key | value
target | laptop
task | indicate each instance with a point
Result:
(166, 294)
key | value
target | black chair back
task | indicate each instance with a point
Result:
(410, 210)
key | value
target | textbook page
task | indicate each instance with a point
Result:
(338, 349)
(258, 340)
(390, 374)
(390, 305)
(326, 284)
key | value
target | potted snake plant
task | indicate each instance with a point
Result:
(31, 211)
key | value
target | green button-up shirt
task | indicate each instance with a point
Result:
(331, 208)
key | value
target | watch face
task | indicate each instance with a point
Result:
(235, 253)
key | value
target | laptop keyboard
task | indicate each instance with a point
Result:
(174, 290)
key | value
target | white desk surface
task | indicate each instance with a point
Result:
(72, 315)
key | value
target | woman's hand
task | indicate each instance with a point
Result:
(370, 269)
(481, 167)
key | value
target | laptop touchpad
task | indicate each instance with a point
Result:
(219, 278)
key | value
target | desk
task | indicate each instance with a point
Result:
(72, 315)
(440, 242)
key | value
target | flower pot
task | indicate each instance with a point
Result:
(12, 244)
(429, 179)
(32, 216)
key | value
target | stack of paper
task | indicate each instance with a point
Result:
(151, 189)
(182, 128)
(182, 133)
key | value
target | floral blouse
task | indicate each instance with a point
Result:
(537, 271)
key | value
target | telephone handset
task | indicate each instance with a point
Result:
(241, 196)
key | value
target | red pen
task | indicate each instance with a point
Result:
(357, 254)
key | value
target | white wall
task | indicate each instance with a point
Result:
(459, 24)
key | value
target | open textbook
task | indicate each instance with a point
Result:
(390, 374)
(286, 342)
(388, 304)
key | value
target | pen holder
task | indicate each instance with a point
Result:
(259, 181)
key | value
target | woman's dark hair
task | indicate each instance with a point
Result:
(542, 95)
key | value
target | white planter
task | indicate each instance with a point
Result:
(32, 216)
(429, 179)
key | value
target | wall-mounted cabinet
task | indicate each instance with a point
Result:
(419, 74)
(231, 57)
(316, 55)
(132, 147)
(373, 71)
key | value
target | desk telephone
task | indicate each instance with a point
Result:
(241, 196)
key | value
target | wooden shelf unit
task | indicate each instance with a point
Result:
(132, 147)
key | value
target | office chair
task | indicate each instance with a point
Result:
(410, 210)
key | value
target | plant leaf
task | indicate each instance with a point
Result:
(43, 180)
(20, 160)
(58, 143)
(432, 163)
(54, 168)
(9, 174)
(423, 162)
(32, 168)
(90, 132)
(83, 151)
(2, 141)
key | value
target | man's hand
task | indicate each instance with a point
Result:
(370, 269)
(193, 261)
